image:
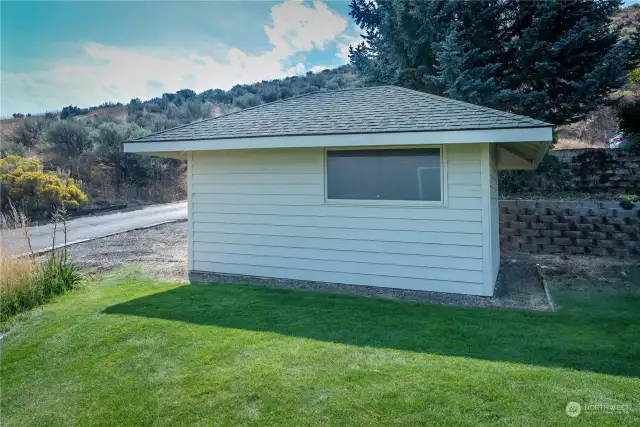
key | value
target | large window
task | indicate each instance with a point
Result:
(395, 174)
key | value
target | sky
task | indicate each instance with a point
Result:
(84, 53)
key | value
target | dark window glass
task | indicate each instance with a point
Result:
(402, 174)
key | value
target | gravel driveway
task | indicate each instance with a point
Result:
(161, 253)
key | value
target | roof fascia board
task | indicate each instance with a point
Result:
(178, 155)
(537, 134)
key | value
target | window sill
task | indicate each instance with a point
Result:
(386, 203)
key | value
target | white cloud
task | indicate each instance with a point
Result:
(345, 40)
(318, 68)
(298, 28)
(299, 68)
(107, 73)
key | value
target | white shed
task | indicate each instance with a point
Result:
(380, 186)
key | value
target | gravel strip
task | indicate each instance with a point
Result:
(160, 252)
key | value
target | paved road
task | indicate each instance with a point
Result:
(92, 227)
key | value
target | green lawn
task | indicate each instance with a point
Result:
(127, 351)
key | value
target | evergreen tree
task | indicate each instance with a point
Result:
(634, 49)
(553, 60)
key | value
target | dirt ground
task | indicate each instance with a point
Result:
(161, 253)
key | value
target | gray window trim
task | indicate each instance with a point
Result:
(392, 203)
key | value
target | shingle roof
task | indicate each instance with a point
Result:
(359, 110)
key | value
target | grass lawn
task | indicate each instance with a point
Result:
(129, 351)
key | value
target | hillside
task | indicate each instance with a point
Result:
(184, 106)
(602, 123)
(85, 143)
(628, 18)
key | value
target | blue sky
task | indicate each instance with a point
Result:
(84, 53)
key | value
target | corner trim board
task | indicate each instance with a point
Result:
(487, 253)
(190, 236)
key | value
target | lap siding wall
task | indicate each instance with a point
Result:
(263, 213)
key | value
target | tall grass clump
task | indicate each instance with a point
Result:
(17, 273)
(27, 281)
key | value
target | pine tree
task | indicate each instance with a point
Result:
(634, 49)
(552, 60)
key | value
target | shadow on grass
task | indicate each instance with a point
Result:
(592, 333)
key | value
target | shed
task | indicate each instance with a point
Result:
(379, 186)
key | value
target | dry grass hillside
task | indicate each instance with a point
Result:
(627, 19)
(9, 125)
(598, 127)
(602, 124)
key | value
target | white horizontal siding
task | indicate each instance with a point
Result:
(362, 256)
(341, 222)
(341, 277)
(464, 191)
(458, 239)
(337, 266)
(365, 211)
(262, 212)
(204, 242)
(474, 203)
(255, 178)
(237, 168)
(302, 188)
(463, 178)
(291, 188)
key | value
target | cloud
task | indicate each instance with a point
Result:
(109, 73)
(299, 68)
(318, 68)
(345, 40)
(298, 28)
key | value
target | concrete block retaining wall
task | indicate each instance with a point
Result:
(602, 170)
(584, 227)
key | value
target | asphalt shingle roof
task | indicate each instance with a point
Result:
(359, 110)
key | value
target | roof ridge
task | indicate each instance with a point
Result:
(476, 107)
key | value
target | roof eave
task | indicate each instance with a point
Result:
(469, 136)
(145, 139)
(521, 156)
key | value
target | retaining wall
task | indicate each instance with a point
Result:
(602, 170)
(585, 227)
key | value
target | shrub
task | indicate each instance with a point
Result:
(552, 176)
(72, 111)
(247, 100)
(28, 134)
(24, 182)
(25, 281)
(629, 119)
(69, 138)
(629, 201)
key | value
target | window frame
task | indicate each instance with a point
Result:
(443, 202)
